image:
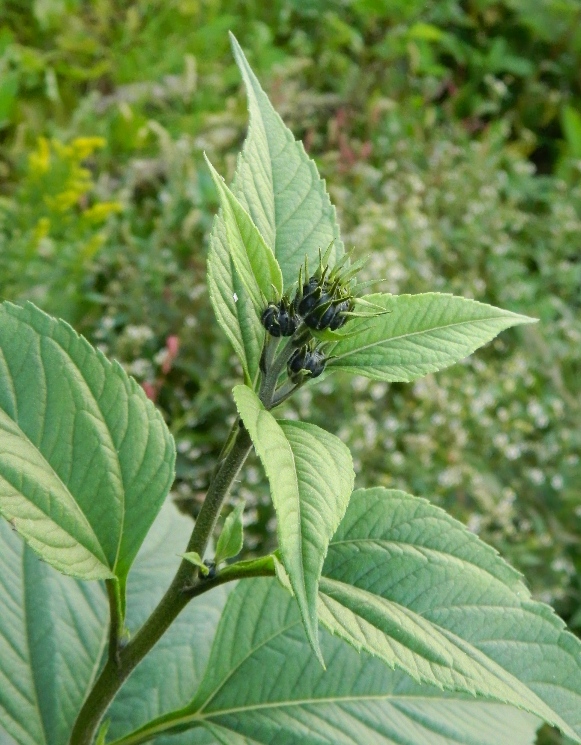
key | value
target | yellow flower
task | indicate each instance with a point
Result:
(101, 211)
(39, 160)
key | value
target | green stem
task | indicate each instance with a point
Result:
(116, 618)
(273, 372)
(286, 391)
(183, 587)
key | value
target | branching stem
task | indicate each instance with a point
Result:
(122, 661)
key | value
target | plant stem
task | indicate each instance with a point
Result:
(286, 391)
(116, 617)
(218, 492)
(183, 587)
(270, 378)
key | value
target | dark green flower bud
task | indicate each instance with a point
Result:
(338, 318)
(307, 360)
(280, 319)
(322, 304)
(311, 296)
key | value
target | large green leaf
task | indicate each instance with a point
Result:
(311, 476)
(262, 686)
(85, 458)
(280, 187)
(419, 334)
(53, 631)
(53, 634)
(409, 584)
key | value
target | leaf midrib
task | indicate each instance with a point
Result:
(242, 661)
(385, 342)
(111, 443)
(511, 682)
(199, 717)
(50, 339)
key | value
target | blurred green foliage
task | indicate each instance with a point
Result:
(450, 136)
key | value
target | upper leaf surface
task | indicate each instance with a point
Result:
(263, 685)
(406, 582)
(420, 334)
(311, 476)
(232, 303)
(86, 459)
(280, 187)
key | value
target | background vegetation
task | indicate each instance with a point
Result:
(449, 133)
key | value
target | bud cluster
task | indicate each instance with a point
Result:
(323, 301)
(322, 305)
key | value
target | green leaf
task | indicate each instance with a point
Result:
(102, 733)
(263, 685)
(85, 458)
(311, 476)
(231, 538)
(280, 187)
(407, 583)
(194, 558)
(53, 631)
(232, 305)
(420, 334)
(253, 259)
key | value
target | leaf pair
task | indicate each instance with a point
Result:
(260, 675)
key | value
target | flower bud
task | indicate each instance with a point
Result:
(304, 359)
(280, 319)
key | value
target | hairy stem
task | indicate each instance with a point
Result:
(183, 587)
